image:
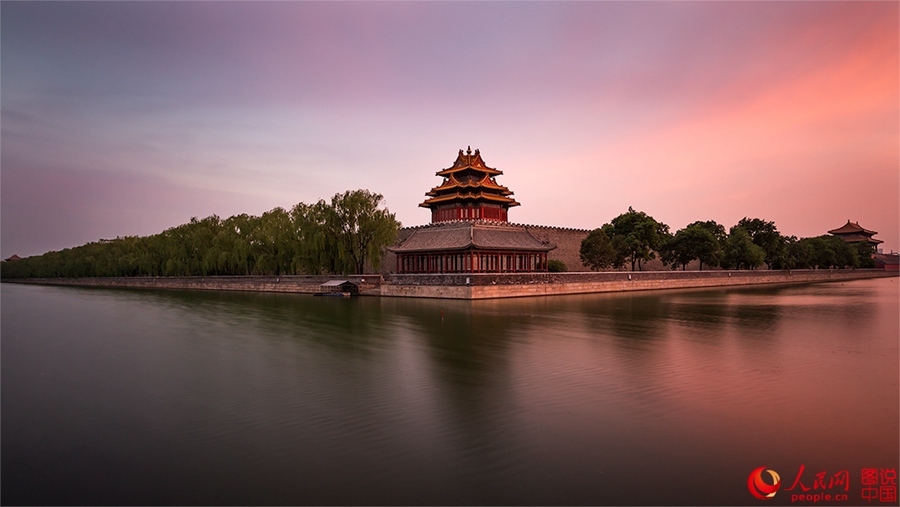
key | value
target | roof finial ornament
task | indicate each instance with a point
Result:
(468, 150)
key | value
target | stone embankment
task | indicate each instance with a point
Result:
(368, 284)
(482, 285)
(489, 286)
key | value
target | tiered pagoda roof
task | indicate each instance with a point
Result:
(852, 228)
(852, 232)
(472, 234)
(469, 181)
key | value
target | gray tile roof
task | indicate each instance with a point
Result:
(463, 235)
(851, 228)
(335, 283)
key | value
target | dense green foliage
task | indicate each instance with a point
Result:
(337, 237)
(826, 252)
(701, 241)
(351, 232)
(599, 252)
(740, 252)
(556, 266)
(766, 236)
(635, 237)
(360, 229)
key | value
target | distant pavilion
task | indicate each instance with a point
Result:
(853, 233)
(470, 231)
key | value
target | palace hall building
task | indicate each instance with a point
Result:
(470, 230)
(853, 233)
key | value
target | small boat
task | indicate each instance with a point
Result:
(338, 288)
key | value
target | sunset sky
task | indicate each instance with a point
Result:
(123, 119)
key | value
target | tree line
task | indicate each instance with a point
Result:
(635, 238)
(340, 236)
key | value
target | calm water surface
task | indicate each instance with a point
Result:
(144, 397)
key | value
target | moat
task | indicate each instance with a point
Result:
(118, 396)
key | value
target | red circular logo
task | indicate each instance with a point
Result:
(759, 488)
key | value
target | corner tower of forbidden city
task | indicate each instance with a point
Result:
(470, 230)
(469, 191)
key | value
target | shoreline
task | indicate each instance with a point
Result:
(479, 285)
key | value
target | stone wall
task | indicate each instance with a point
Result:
(368, 284)
(487, 286)
(389, 261)
(568, 244)
(480, 286)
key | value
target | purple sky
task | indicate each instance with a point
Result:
(125, 119)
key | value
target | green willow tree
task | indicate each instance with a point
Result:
(340, 237)
(317, 252)
(361, 229)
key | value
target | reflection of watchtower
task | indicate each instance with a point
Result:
(469, 192)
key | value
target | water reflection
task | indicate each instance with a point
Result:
(201, 397)
(465, 345)
(343, 324)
